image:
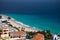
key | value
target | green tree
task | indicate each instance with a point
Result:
(38, 32)
(10, 25)
(59, 35)
(22, 29)
(30, 35)
(16, 28)
(9, 17)
(13, 27)
(48, 34)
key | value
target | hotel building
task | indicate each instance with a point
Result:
(4, 33)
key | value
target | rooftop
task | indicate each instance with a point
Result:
(20, 32)
(38, 37)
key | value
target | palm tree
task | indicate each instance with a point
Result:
(0, 17)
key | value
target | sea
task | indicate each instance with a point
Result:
(39, 14)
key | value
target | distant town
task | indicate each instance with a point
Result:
(11, 30)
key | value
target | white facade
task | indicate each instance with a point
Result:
(4, 33)
(55, 37)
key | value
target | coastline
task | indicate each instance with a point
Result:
(31, 27)
(19, 24)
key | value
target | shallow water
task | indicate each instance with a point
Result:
(39, 22)
(42, 14)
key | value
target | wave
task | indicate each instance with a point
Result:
(20, 22)
(16, 21)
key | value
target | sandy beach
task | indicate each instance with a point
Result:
(17, 25)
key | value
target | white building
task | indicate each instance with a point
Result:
(4, 33)
(56, 37)
(18, 35)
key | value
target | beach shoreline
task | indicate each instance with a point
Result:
(19, 24)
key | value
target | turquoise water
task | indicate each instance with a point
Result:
(39, 22)
(42, 14)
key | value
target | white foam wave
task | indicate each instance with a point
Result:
(34, 27)
(20, 23)
(12, 18)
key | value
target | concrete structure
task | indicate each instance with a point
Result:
(4, 33)
(19, 35)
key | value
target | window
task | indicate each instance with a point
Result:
(5, 30)
(0, 30)
(5, 33)
(0, 33)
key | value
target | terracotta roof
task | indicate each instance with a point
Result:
(20, 32)
(38, 37)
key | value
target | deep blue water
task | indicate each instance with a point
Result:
(43, 14)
